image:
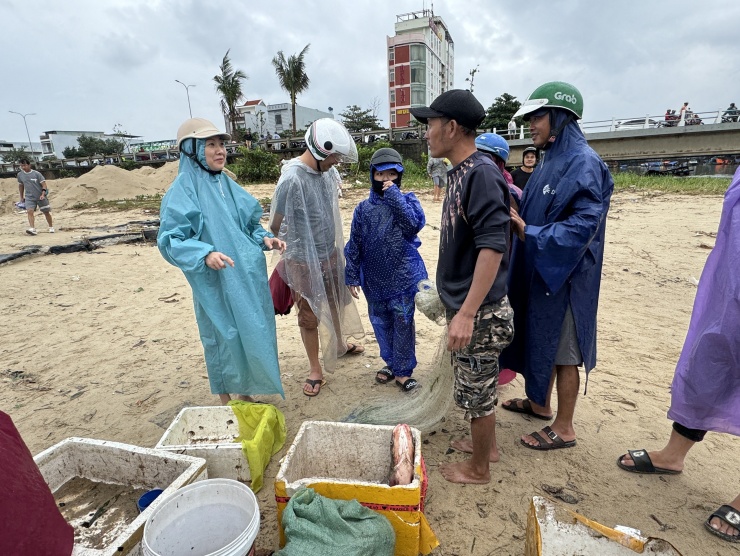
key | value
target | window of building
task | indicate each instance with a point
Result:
(278, 119)
(393, 95)
(392, 75)
(418, 73)
(418, 95)
(418, 53)
(391, 55)
(393, 118)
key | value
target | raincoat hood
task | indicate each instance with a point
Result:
(197, 157)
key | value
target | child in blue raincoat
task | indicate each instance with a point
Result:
(210, 229)
(382, 257)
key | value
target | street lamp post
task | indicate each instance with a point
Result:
(187, 92)
(30, 145)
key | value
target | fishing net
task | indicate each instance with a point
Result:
(423, 408)
(428, 302)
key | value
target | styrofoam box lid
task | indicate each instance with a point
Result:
(343, 453)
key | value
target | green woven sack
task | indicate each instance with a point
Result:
(315, 525)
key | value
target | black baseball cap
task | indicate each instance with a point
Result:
(456, 104)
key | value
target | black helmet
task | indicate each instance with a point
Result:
(388, 158)
(531, 150)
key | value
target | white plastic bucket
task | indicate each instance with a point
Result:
(214, 517)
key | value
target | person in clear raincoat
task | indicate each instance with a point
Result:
(210, 229)
(383, 259)
(305, 214)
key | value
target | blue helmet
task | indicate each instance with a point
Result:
(493, 144)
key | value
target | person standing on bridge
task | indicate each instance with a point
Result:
(556, 261)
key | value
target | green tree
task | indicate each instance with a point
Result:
(501, 111)
(91, 146)
(229, 86)
(292, 76)
(357, 119)
(14, 155)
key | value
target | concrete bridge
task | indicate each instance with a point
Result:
(656, 143)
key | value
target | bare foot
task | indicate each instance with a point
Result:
(658, 459)
(462, 472)
(466, 445)
(243, 398)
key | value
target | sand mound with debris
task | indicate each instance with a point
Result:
(106, 182)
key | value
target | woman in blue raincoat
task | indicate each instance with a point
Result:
(210, 229)
(383, 258)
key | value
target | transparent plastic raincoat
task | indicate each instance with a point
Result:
(305, 203)
(202, 213)
(564, 207)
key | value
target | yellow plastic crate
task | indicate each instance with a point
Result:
(346, 461)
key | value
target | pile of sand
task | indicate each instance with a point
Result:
(102, 182)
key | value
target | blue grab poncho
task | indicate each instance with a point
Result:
(202, 213)
(564, 207)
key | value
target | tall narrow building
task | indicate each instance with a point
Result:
(420, 63)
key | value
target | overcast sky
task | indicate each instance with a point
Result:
(91, 64)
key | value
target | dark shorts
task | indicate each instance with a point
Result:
(568, 351)
(476, 366)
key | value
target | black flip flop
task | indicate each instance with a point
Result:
(313, 383)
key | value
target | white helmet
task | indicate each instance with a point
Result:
(326, 137)
(198, 128)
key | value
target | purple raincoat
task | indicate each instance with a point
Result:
(706, 386)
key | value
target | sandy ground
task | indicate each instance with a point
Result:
(105, 353)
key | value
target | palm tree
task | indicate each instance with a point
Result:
(229, 85)
(292, 75)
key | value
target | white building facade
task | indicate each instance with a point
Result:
(268, 119)
(421, 64)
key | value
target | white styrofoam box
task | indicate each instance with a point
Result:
(348, 453)
(209, 433)
(123, 464)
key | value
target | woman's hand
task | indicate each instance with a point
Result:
(354, 291)
(275, 243)
(218, 261)
(388, 184)
(517, 224)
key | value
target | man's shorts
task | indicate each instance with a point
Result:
(476, 366)
(438, 181)
(42, 204)
(306, 317)
(568, 351)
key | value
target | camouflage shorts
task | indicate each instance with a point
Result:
(476, 366)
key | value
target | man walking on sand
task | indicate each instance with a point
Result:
(305, 215)
(32, 189)
(471, 273)
(556, 261)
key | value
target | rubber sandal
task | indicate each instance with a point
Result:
(729, 515)
(409, 385)
(643, 464)
(542, 444)
(386, 373)
(526, 409)
(354, 349)
(313, 383)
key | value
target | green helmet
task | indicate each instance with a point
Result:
(555, 94)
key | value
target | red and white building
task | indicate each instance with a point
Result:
(420, 63)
